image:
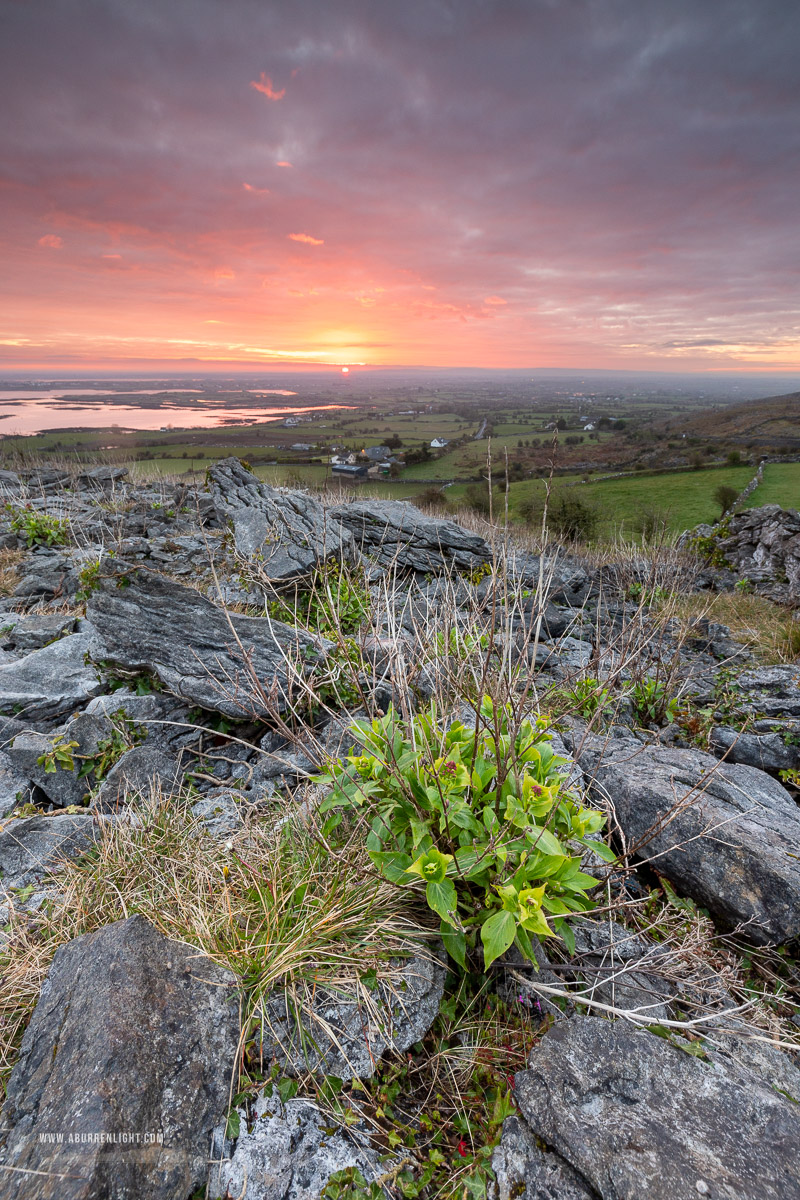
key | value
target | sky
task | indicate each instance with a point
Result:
(487, 183)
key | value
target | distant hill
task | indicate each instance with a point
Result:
(766, 425)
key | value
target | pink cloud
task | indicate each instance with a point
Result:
(495, 301)
(264, 85)
(307, 238)
(52, 241)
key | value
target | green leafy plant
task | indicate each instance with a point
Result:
(586, 697)
(124, 736)
(477, 574)
(725, 496)
(338, 601)
(638, 592)
(479, 816)
(88, 580)
(652, 703)
(60, 756)
(38, 528)
(708, 547)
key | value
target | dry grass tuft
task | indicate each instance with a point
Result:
(271, 903)
(9, 576)
(767, 629)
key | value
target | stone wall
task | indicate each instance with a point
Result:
(763, 545)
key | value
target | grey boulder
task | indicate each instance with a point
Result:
(137, 774)
(32, 847)
(31, 633)
(767, 751)
(224, 662)
(344, 1034)
(396, 534)
(289, 531)
(724, 834)
(128, 1058)
(15, 786)
(562, 579)
(771, 691)
(638, 1118)
(218, 811)
(525, 1169)
(290, 1153)
(50, 682)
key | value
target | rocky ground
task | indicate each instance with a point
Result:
(210, 989)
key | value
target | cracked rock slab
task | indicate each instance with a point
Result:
(288, 531)
(32, 847)
(396, 534)
(51, 682)
(135, 1035)
(724, 834)
(224, 662)
(290, 1153)
(638, 1118)
(344, 1033)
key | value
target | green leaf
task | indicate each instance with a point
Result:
(287, 1089)
(567, 934)
(535, 922)
(455, 943)
(441, 897)
(524, 942)
(369, 978)
(545, 841)
(600, 849)
(497, 934)
(233, 1124)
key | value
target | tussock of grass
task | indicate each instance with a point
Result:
(271, 904)
(9, 577)
(769, 631)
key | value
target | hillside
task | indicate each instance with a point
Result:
(764, 426)
(351, 849)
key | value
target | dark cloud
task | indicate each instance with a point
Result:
(622, 173)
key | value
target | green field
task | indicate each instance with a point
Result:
(781, 486)
(685, 498)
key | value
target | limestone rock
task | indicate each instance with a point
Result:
(763, 545)
(133, 1035)
(724, 834)
(289, 531)
(227, 663)
(396, 534)
(137, 773)
(524, 1170)
(767, 751)
(290, 1153)
(15, 786)
(50, 682)
(345, 1037)
(638, 1118)
(32, 847)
